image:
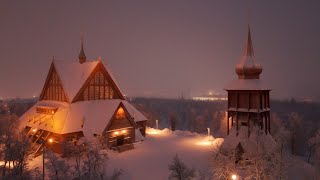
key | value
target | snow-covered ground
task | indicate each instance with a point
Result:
(150, 158)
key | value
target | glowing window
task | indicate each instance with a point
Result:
(120, 113)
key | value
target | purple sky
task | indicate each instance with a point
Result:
(165, 47)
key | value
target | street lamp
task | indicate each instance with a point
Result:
(50, 140)
(234, 177)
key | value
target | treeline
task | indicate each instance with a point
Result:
(297, 121)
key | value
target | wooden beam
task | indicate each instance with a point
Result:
(265, 123)
(228, 123)
(237, 119)
(249, 105)
(269, 121)
(248, 124)
(231, 121)
(237, 99)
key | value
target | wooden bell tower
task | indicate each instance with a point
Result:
(248, 97)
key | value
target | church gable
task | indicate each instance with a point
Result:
(121, 119)
(99, 86)
(53, 89)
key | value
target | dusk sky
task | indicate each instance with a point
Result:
(165, 47)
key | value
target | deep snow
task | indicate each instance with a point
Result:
(150, 158)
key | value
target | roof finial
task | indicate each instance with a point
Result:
(249, 47)
(82, 55)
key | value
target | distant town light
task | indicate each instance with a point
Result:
(234, 177)
(34, 130)
(123, 131)
(50, 140)
(116, 133)
(52, 112)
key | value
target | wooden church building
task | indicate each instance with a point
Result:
(248, 96)
(81, 99)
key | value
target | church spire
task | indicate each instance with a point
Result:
(247, 68)
(249, 47)
(82, 55)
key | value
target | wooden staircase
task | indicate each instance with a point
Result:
(38, 142)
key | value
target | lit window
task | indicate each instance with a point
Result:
(120, 113)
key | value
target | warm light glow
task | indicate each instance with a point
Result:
(152, 131)
(207, 141)
(116, 133)
(120, 113)
(34, 130)
(204, 143)
(50, 140)
(52, 112)
(234, 177)
(7, 165)
(123, 131)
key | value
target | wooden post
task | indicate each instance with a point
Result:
(265, 123)
(228, 123)
(231, 121)
(248, 124)
(237, 100)
(237, 119)
(269, 122)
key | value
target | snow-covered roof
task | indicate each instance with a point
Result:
(94, 116)
(73, 75)
(247, 84)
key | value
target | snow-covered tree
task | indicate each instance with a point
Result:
(57, 166)
(116, 174)
(222, 162)
(223, 165)
(314, 143)
(15, 154)
(257, 157)
(295, 121)
(94, 162)
(179, 170)
(90, 161)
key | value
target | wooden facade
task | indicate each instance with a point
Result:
(53, 89)
(99, 86)
(120, 129)
(248, 108)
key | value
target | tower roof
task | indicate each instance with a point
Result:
(247, 68)
(82, 55)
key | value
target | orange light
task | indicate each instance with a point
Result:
(120, 113)
(116, 133)
(234, 177)
(123, 131)
(34, 130)
(50, 140)
(52, 112)
(120, 110)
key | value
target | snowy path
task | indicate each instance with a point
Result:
(150, 158)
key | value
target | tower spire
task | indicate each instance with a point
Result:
(82, 55)
(249, 47)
